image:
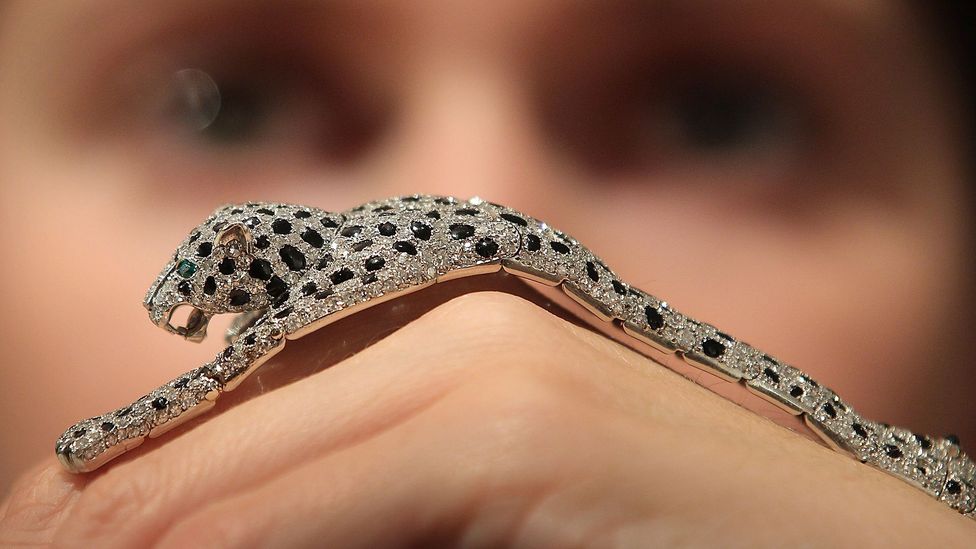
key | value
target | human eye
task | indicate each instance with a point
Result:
(722, 115)
(255, 93)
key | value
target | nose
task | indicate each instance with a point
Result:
(467, 129)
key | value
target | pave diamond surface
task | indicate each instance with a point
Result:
(290, 269)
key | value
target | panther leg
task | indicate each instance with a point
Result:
(89, 444)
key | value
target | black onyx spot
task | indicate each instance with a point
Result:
(420, 230)
(923, 441)
(228, 352)
(218, 226)
(387, 229)
(341, 276)
(351, 231)
(184, 287)
(180, 383)
(262, 242)
(860, 430)
(281, 226)
(159, 403)
(324, 261)
(466, 211)
(374, 263)
(280, 300)
(486, 247)
(239, 297)
(953, 487)
(284, 312)
(796, 392)
(251, 339)
(409, 198)
(362, 245)
(368, 278)
(252, 222)
(210, 286)
(952, 439)
(892, 451)
(559, 247)
(829, 410)
(260, 269)
(194, 237)
(712, 348)
(79, 432)
(405, 247)
(514, 219)
(592, 272)
(461, 231)
(309, 289)
(227, 266)
(654, 319)
(265, 211)
(205, 249)
(292, 257)
(313, 238)
(236, 211)
(619, 287)
(323, 294)
(443, 200)
(329, 223)
(124, 412)
(533, 243)
(771, 374)
(107, 426)
(302, 214)
(434, 214)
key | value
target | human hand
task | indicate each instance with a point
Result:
(486, 421)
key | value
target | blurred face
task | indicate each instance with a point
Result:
(789, 171)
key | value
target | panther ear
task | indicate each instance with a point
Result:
(235, 234)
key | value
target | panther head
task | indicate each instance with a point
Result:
(243, 258)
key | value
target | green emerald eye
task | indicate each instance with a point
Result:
(186, 268)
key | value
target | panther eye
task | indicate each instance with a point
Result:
(186, 268)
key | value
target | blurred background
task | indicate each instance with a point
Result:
(799, 174)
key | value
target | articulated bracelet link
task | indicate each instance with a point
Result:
(292, 269)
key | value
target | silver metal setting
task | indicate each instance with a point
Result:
(288, 270)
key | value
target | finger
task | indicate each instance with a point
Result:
(417, 484)
(363, 396)
(540, 468)
(36, 505)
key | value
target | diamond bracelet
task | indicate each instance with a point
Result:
(288, 270)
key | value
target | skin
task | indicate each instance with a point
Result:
(517, 445)
(823, 249)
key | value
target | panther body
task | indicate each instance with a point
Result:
(290, 269)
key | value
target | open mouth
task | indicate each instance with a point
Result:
(187, 321)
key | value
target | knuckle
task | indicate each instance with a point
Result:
(493, 317)
(503, 331)
(521, 379)
(36, 505)
(517, 408)
(109, 506)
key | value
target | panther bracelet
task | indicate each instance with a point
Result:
(292, 269)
